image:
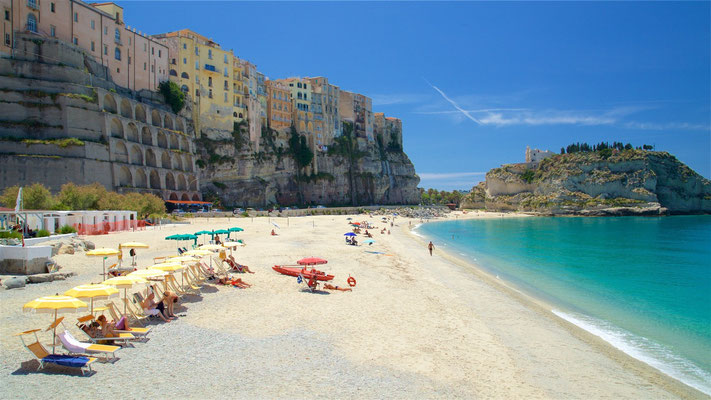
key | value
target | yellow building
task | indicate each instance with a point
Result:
(239, 111)
(302, 116)
(278, 105)
(206, 73)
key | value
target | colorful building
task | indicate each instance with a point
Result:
(325, 104)
(135, 61)
(389, 130)
(278, 105)
(204, 71)
(358, 109)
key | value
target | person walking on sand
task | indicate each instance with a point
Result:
(430, 247)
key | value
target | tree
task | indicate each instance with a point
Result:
(173, 95)
(299, 149)
(73, 197)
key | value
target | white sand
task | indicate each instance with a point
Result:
(415, 326)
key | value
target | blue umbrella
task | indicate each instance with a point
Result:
(349, 234)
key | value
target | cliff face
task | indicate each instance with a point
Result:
(239, 176)
(629, 182)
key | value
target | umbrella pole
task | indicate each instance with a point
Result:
(103, 261)
(54, 335)
(125, 300)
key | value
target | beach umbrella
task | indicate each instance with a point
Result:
(170, 268)
(54, 305)
(204, 233)
(92, 292)
(197, 252)
(133, 245)
(148, 273)
(222, 231)
(311, 261)
(232, 245)
(355, 223)
(103, 252)
(235, 229)
(181, 259)
(173, 237)
(349, 234)
(349, 218)
(124, 282)
(211, 247)
(275, 224)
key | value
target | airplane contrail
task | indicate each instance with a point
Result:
(463, 111)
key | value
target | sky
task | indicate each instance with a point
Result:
(476, 82)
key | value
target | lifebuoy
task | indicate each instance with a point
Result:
(351, 281)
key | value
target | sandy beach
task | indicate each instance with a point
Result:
(415, 326)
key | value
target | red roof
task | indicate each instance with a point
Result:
(187, 202)
(6, 209)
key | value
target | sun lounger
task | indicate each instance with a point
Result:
(135, 331)
(192, 283)
(195, 272)
(73, 346)
(174, 286)
(121, 338)
(43, 356)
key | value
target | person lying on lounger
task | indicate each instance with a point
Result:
(108, 328)
(228, 280)
(237, 266)
(328, 286)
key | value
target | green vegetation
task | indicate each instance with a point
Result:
(10, 235)
(89, 197)
(173, 95)
(528, 176)
(200, 163)
(299, 149)
(42, 233)
(433, 196)
(29, 123)
(585, 147)
(238, 131)
(219, 185)
(67, 229)
(57, 142)
(381, 147)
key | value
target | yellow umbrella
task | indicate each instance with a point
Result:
(133, 245)
(198, 252)
(212, 247)
(54, 304)
(91, 292)
(232, 245)
(148, 273)
(103, 252)
(181, 259)
(124, 282)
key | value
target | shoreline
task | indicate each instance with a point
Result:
(547, 310)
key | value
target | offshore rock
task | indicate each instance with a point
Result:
(628, 182)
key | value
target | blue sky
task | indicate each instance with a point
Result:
(475, 83)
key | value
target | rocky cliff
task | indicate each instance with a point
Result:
(234, 173)
(629, 182)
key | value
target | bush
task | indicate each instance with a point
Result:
(42, 233)
(10, 235)
(245, 214)
(528, 176)
(173, 95)
(67, 229)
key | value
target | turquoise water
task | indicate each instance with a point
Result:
(643, 284)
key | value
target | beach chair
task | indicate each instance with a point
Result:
(191, 281)
(43, 356)
(195, 272)
(75, 347)
(174, 286)
(135, 331)
(121, 338)
(135, 313)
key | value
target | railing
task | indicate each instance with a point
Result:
(106, 227)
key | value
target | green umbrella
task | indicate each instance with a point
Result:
(235, 229)
(204, 233)
(172, 237)
(222, 231)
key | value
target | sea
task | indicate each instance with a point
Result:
(643, 284)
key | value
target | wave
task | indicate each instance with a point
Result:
(645, 350)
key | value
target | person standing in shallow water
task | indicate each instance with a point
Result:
(430, 247)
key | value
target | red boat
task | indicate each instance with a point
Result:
(307, 274)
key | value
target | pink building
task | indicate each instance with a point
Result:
(134, 60)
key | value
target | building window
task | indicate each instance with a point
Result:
(209, 54)
(117, 53)
(153, 68)
(209, 93)
(31, 23)
(106, 50)
(51, 7)
(225, 58)
(298, 84)
(144, 66)
(7, 39)
(145, 47)
(129, 60)
(197, 93)
(92, 46)
(117, 36)
(197, 65)
(185, 46)
(153, 51)
(7, 15)
(197, 52)
(159, 54)
(76, 17)
(129, 40)
(197, 80)
(209, 82)
(32, 4)
(226, 87)
(52, 31)
(93, 27)
(75, 40)
(185, 60)
(225, 97)
(106, 30)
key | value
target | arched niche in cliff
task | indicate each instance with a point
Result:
(185, 197)
(193, 182)
(179, 125)
(125, 178)
(173, 141)
(147, 136)
(184, 146)
(177, 162)
(155, 180)
(132, 132)
(110, 104)
(116, 128)
(141, 180)
(165, 160)
(162, 140)
(156, 119)
(187, 163)
(126, 109)
(196, 197)
(173, 196)
(168, 122)
(182, 183)
(136, 155)
(120, 152)
(140, 113)
(151, 158)
(169, 181)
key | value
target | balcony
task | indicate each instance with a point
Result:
(211, 68)
(33, 4)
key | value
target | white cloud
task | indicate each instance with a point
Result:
(652, 126)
